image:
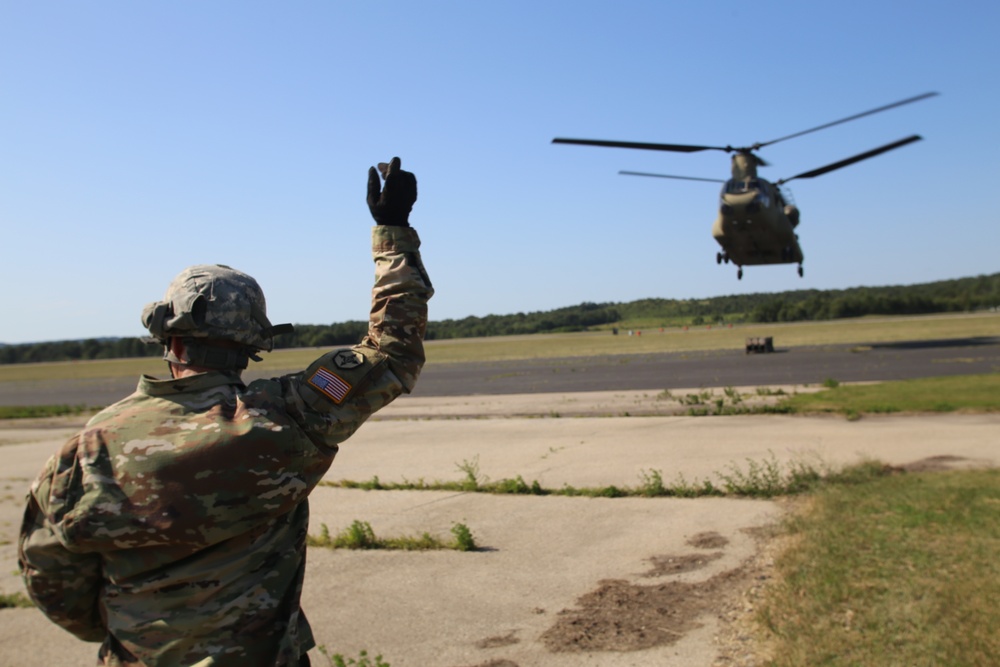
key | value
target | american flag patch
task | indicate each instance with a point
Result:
(331, 385)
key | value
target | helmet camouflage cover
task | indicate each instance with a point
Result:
(213, 302)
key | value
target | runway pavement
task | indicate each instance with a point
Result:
(721, 368)
(859, 362)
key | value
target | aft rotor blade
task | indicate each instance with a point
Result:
(676, 148)
(849, 118)
(683, 178)
(851, 160)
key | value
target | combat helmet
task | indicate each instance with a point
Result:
(219, 312)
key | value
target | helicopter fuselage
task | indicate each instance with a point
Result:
(755, 224)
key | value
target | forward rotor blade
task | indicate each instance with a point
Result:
(851, 160)
(849, 118)
(683, 178)
(676, 148)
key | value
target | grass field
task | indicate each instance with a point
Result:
(900, 570)
(541, 346)
(835, 332)
(965, 393)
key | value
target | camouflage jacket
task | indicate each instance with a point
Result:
(173, 527)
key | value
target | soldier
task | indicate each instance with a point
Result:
(173, 527)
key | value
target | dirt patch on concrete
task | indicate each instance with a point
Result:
(622, 616)
(935, 464)
(667, 565)
(708, 540)
(508, 639)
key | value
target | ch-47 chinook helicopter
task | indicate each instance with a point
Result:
(756, 222)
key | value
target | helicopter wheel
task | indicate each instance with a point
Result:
(800, 271)
(739, 273)
(718, 258)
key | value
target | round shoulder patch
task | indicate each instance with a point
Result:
(347, 359)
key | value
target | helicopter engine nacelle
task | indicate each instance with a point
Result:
(744, 165)
(793, 214)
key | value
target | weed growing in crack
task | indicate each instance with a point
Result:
(762, 479)
(700, 398)
(471, 470)
(14, 600)
(337, 660)
(464, 540)
(756, 479)
(652, 484)
(359, 535)
(516, 486)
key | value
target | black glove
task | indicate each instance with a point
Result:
(393, 204)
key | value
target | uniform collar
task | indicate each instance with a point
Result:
(152, 386)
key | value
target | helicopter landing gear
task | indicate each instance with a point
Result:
(739, 273)
(718, 258)
(800, 271)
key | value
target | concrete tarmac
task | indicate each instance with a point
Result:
(519, 599)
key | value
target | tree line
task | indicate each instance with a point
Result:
(960, 295)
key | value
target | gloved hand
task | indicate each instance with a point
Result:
(393, 204)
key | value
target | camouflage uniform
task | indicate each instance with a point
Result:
(173, 527)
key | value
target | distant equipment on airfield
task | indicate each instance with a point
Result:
(756, 222)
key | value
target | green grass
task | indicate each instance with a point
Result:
(359, 535)
(539, 346)
(959, 393)
(900, 570)
(15, 600)
(768, 478)
(951, 396)
(962, 393)
(35, 411)
(965, 393)
(338, 660)
(675, 339)
(83, 370)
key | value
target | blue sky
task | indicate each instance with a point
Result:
(139, 138)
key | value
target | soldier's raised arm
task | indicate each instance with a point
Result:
(350, 384)
(398, 319)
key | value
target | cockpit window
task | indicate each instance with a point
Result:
(734, 187)
(761, 198)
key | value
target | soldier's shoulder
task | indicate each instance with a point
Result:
(115, 410)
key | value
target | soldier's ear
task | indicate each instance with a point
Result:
(177, 347)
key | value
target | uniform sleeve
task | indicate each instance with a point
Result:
(65, 585)
(398, 319)
(344, 387)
